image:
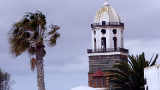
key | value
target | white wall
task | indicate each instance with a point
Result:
(152, 76)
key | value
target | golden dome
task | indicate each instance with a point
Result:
(108, 14)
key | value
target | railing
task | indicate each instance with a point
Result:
(107, 24)
(107, 50)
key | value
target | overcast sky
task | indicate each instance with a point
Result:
(66, 65)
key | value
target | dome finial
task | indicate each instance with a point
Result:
(106, 2)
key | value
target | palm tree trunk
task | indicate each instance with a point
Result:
(40, 75)
(40, 68)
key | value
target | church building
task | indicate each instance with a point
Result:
(107, 47)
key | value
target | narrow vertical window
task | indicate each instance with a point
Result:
(95, 43)
(103, 43)
(103, 82)
(115, 43)
(94, 32)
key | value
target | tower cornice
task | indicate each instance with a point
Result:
(110, 25)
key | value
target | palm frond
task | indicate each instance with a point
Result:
(54, 35)
(30, 28)
(32, 50)
(18, 40)
(131, 75)
(54, 29)
(53, 39)
(153, 62)
(33, 63)
(18, 46)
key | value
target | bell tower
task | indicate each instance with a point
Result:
(107, 47)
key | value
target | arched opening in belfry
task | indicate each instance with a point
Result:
(115, 43)
(103, 23)
(103, 43)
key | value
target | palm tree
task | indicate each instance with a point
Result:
(130, 76)
(4, 80)
(31, 35)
